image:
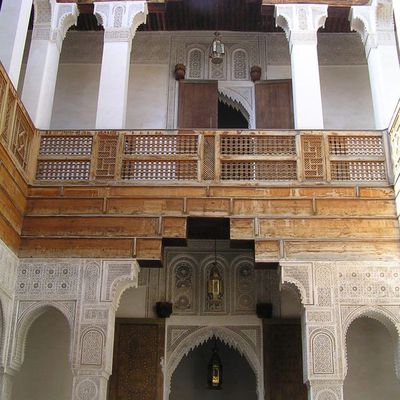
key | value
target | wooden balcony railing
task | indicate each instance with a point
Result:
(188, 156)
(17, 132)
(213, 156)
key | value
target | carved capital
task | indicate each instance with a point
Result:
(52, 20)
(374, 23)
(301, 21)
(120, 19)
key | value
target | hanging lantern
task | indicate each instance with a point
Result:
(215, 370)
(217, 50)
(215, 288)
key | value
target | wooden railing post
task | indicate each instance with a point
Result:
(217, 157)
(33, 156)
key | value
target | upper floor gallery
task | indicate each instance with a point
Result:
(147, 65)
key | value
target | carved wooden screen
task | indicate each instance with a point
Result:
(198, 104)
(283, 373)
(138, 348)
(274, 104)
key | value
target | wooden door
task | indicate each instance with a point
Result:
(283, 366)
(274, 104)
(198, 104)
(138, 348)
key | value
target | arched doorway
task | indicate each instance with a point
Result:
(190, 377)
(371, 362)
(46, 373)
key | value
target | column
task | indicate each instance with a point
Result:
(6, 382)
(375, 24)
(396, 9)
(323, 370)
(14, 21)
(120, 21)
(49, 30)
(300, 23)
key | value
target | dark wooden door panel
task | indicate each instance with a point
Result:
(283, 366)
(274, 104)
(138, 348)
(198, 104)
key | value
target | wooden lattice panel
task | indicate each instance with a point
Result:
(259, 170)
(6, 126)
(106, 156)
(66, 145)
(358, 171)
(258, 145)
(313, 161)
(64, 170)
(159, 170)
(22, 137)
(209, 158)
(3, 89)
(151, 145)
(356, 146)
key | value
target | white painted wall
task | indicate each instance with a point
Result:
(46, 373)
(346, 97)
(133, 303)
(75, 102)
(371, 374)
(147, 96)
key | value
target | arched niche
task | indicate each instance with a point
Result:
(190, 377)
(370, 368)
(46, 372)
(226, 335)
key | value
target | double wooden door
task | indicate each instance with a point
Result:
(198, 104)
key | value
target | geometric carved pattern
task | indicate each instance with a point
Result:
(162, 145)
(66, 145)
(195, 64)
(244, 293)
(106, 156)
(68, 170)
(258, 145)
(183, 288)
(209, 159)
(92, 348)
(358, 171)
(258, 170)
(159, 170)
(240, 65)
(313, 161)
(22, 136)
(322, 348)
(356, 146)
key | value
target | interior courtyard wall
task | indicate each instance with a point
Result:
(152, 96)
(371, 373)
(46, 373)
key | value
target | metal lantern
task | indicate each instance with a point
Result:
(215, 370)
(215, 289)
(217, 50)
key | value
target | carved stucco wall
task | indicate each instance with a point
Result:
(86, 292)
(334, 294)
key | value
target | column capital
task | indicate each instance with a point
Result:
(374, 23)
(120, 20)
(301, 21)
(52, 20)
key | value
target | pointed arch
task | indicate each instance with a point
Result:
(227, 336)
(390, 321)
(29, 315)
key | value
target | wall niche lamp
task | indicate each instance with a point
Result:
(215, 369)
